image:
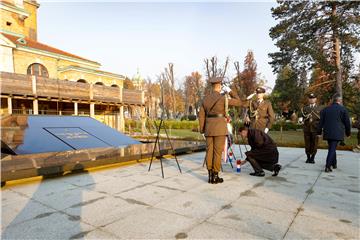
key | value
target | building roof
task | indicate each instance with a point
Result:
(26, 42)
(89, 70)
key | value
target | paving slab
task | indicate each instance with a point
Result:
(208, 230)
(150, 223)
(305, 227)
(254, 220)
(51, 226)
(128, 202)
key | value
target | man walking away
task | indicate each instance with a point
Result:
(334, 124)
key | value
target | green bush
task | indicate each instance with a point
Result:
(171, 124)
(286, 126)
(189, 117)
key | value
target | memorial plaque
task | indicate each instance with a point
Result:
(76, 138)
(37, 134)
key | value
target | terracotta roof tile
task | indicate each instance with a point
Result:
(37, 45)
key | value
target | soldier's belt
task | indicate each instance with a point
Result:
(215, 115)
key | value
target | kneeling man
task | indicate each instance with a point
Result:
(263, 153)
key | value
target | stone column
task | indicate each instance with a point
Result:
(9, 102)
(33, 84)
(143, 120)
(35, 107)
(121, 94)
(121, 125)
(92, 110)
(76, 108)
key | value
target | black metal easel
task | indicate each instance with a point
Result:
(157, 141)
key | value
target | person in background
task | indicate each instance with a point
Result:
(261, 114)
(311, 116)
(357, 125)
(334, 124)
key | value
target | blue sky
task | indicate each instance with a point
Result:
(125, 37)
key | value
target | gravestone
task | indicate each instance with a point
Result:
(38, 134)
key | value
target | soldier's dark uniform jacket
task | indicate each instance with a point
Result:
(311, 115)
(261, 115)
(212, 119)
(212, 123)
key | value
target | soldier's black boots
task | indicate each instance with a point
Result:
(217, 179)
(312, 159)
(211, 176)
(308, 158)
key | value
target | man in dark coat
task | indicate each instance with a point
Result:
(263, 153)
(212, 123)
(334, 123)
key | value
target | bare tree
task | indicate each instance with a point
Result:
(193, 91)
(152, 93)
(169, 84)
(214, 70)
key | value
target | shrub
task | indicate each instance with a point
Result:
(189, 117)
(286, 126)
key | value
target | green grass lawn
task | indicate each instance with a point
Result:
(285, 139)
(296, 139)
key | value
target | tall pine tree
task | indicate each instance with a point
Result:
(322, 34)
(286, 93)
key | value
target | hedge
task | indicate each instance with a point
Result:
(169, 124)
(194, 125)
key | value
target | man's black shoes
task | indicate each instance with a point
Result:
(328, 169)
(258, 174)
(277, 168)
(334, 166)
(308, 158)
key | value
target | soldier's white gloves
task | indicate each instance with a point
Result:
(250, 96)
(203, 135)
(226, 89)
(266, 130)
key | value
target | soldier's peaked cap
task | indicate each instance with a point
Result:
(260, 90)
(311, 95)
(216, 79)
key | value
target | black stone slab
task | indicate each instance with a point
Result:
(40, 134)
(15, 167)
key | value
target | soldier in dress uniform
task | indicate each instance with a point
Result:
(261, 114)
(212, 123)
(311, 115)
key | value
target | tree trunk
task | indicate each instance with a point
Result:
(336, 42)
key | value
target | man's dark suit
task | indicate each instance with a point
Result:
(334, 123)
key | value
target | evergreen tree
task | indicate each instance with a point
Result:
(321, 34)
(287, 92)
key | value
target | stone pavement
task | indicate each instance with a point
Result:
(128, 202)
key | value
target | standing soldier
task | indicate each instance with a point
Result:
(212, 123)
(311, 115)
(261, 112)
